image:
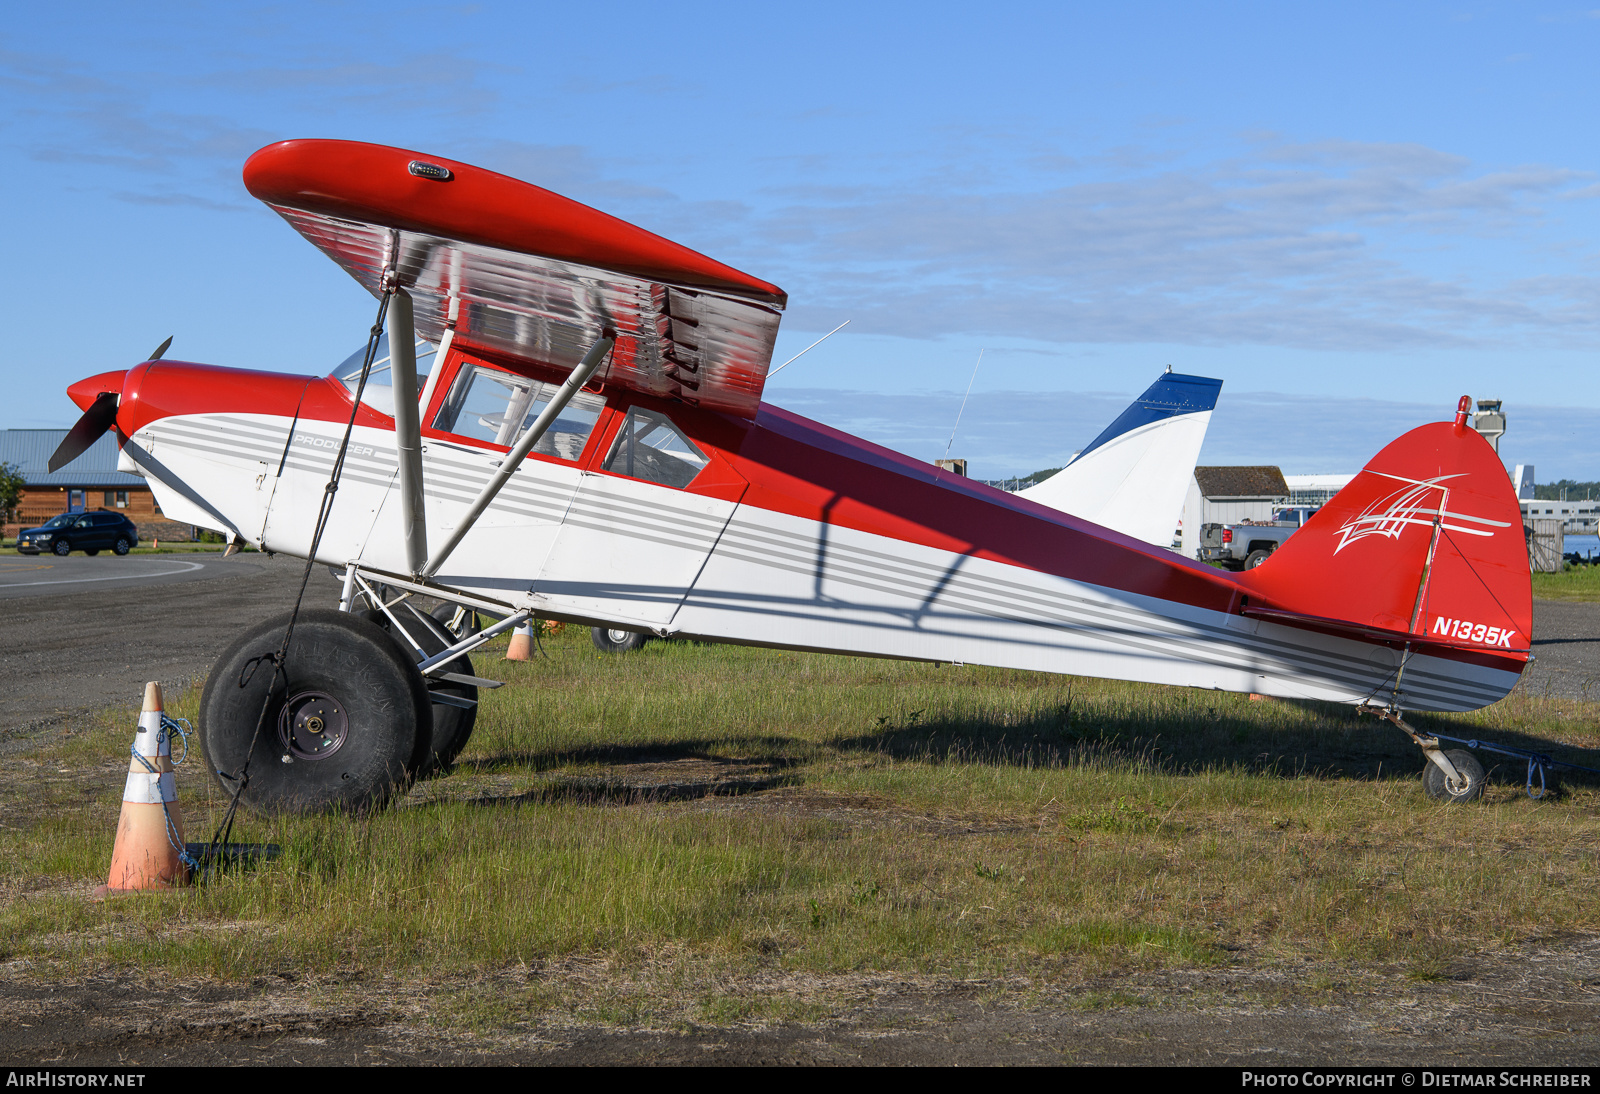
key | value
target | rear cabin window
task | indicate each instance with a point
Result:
(488, 404)
(651, 448)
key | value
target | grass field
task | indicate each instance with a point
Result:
(1572, 583)
(688, 816)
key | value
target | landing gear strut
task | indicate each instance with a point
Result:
(1454, 776)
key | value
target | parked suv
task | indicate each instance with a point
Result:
(87, 532)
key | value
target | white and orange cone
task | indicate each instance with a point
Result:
(150, 833)
(521, 648)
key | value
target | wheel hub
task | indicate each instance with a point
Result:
(312, 725)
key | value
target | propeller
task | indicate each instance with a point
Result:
(100, 416)
(95, 421)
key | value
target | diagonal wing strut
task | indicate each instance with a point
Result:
(579, 376)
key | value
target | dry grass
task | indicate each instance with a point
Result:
(913, 819)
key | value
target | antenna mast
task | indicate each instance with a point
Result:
(957, 426)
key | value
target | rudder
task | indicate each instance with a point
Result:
(1427, 540)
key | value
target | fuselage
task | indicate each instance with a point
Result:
(774, 531)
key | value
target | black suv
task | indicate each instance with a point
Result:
(86, 532)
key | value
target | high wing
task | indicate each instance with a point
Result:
(526, 274)
(1132, 477)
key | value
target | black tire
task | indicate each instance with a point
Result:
(122, 546)
(1437, 787)
(615, 640)
(91, 551)
(62, 548)
(451, 725)
(1256, 558)
(372, 702)
(445, 614)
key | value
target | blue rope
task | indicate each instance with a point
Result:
(182, 728)
(188, 860)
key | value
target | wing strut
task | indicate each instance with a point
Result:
(580, 376)
(451, 316)
(407, 429)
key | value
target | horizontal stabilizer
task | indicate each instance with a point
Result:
(1382, 634)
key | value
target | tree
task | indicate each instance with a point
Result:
(10, 488)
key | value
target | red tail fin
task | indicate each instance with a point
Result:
(1427, 540)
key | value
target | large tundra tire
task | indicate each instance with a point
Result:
(347, 725)
(452, 721)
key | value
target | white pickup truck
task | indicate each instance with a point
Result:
(1246, 545)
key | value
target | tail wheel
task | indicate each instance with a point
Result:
(1440, 788)
(616, 641)
(346, 727)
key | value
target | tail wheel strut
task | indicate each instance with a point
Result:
(1454, 776)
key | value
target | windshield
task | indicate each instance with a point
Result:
(62, 521)
(379, 392)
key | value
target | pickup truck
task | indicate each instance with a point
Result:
(1246, 545)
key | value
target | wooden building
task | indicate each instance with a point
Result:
(89, 482)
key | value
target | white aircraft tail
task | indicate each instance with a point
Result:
(1132, 478)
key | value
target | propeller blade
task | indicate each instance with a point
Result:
(100, 416)
(162, 348)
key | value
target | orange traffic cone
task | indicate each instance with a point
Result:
(521, 648)
(150, 833)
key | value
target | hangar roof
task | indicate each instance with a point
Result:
(1241, 482)
(29, 450)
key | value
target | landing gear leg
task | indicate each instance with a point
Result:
(1454, 776)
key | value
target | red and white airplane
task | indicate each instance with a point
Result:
(590, 445)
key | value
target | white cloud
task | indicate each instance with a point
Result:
(1009, 433)
(1333, 245)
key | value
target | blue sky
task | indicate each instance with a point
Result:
(1351, 213)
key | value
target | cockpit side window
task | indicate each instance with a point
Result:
(489, 404)
(379, 392)
(651, 448)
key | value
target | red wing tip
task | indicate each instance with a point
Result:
(375, 184)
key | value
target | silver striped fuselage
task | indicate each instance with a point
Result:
(604, 549)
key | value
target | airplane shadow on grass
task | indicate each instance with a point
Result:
(1322, 741)
(1315, 740)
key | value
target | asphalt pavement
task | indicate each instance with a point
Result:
(81, 634)
(1566, 650)
(47, 575)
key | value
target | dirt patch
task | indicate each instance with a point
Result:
(644, 783)
(1533, 1004)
